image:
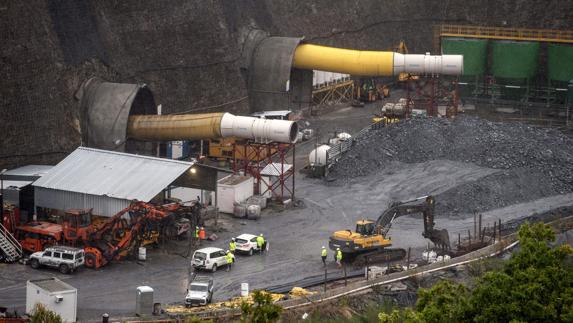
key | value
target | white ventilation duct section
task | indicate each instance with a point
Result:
(428, 64)
(260, 130)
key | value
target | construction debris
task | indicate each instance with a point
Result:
(232, 303)
(300, 292)
(532, 162)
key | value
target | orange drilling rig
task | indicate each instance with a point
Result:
(112, 239)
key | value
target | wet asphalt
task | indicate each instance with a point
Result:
(296, 235)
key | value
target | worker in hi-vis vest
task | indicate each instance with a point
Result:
(230, 260)
(260, 243)
(196, 235)
(338, 257)
(232, 245)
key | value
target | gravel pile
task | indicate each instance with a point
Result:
(533, 162)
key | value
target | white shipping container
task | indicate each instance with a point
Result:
(233, 189)
(55, 295)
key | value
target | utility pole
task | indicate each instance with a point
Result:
(325, 278)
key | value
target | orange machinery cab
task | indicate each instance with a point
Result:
(77, 225)
(363, 239)
(36, 236)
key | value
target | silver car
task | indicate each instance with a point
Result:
(199, 292)
(65, 259)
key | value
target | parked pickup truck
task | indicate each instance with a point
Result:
(200, 291)
(65, 259)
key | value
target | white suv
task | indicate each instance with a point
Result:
(246, 243)
(66, 259)
(209, 259)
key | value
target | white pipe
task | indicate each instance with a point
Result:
(260, 130)
(428, 64)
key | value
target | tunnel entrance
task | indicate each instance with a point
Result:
(104, 111)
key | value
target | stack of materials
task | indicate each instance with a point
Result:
(232, 303)
(251, 208)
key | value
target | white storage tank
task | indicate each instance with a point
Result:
(343, 136)
(55, 295)
(319, 155)
(334, 141)
(233, 189)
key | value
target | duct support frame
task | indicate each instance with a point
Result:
(257, 156)
(430, 92)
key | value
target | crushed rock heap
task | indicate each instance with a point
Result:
(532, 161)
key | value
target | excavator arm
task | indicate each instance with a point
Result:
(424, 205)
(142, 217)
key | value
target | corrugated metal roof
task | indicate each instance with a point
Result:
(274, 169)
(108, 173)
(29, 170)
(27, 173)
(52, 285)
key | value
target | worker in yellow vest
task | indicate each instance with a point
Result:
(338, 257)
(323, 255)
(260, 243)
(196, 235)
(232, 246)
(230, 260)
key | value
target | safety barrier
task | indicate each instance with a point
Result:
(523, 34)
(337, 150)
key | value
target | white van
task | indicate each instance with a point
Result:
(209, 259)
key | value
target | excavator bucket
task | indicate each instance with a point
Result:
(441, 238)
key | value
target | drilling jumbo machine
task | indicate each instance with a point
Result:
(370, 238)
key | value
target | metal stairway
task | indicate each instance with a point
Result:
(9, 245)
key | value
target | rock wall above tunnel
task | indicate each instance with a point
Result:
(188, 52)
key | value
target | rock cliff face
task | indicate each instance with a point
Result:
(188, 51)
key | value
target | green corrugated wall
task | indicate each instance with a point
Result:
(560, 62)
(474, 51)
(514, 60)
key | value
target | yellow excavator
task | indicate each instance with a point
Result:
(370, 237)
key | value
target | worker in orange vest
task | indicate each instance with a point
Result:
(202, 234)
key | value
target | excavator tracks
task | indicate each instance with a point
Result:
(378, 256)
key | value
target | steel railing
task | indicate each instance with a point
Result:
(6, 236)
(542, 35)
(337, 150)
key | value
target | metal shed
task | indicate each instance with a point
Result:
(108, 181)
(16, 188)
(27, 173)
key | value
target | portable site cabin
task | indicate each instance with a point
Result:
(55, 295)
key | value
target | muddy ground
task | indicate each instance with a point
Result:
(296, 235)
